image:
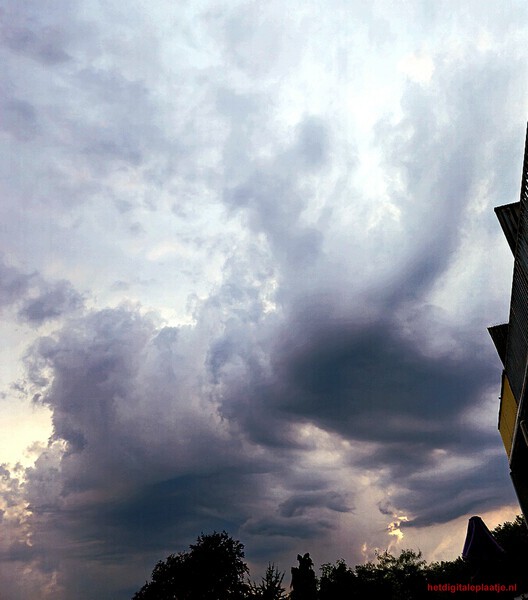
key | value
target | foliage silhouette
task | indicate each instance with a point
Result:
(213, 569)
(513, 537)
(450, 572)
(398, 578)
(337, 582)
(270, 587)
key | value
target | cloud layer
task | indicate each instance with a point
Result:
(254, 253)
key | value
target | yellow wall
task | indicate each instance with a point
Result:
(507, 415)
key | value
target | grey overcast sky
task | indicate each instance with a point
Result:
(248, 258)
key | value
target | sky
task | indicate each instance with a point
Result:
(248, 259)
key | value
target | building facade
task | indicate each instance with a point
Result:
(511, 342)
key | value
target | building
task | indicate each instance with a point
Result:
(511, 342)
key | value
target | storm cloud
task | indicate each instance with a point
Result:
(250, 258)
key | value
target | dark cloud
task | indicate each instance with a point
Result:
(300, 528)
(58, 299)
(370, 385)
(299, 504)
(14, 284)
(433, 496)
(317, 357)
(38, 300)
(146, 456)
(334, 375)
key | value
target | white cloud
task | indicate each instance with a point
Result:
(417, 67)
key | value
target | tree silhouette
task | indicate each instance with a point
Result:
(513, 538)
(270, 587)
(213, 569)
(337, 582)
(398, 578)
(450, 572)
